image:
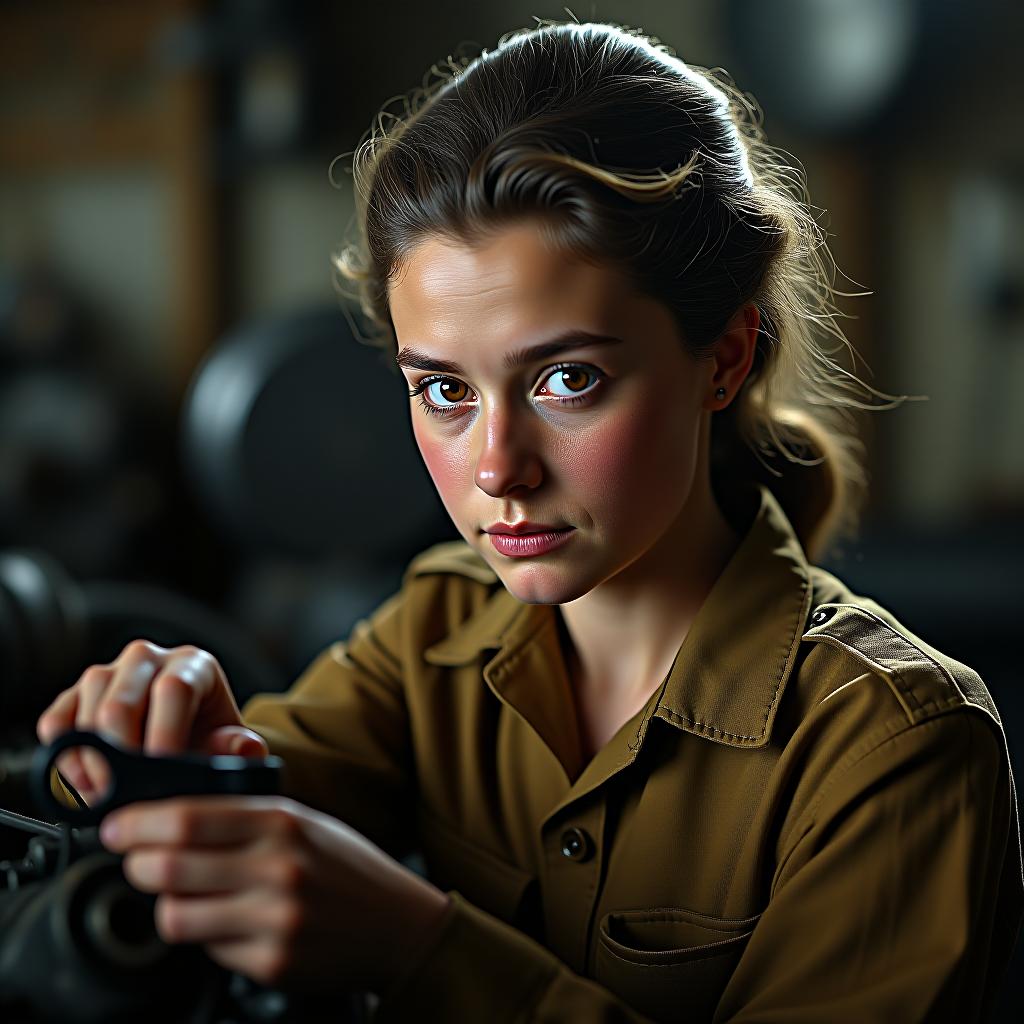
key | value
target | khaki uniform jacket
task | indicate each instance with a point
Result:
(812, 819)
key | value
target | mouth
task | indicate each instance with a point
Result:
(530, 545)
(525, 527)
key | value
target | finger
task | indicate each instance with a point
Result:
(91, 686)
(122, 711)
(174, 699)
(236, 740)
(191, 872)
(59, 717)
(69, 764)
(260, 958)
(223, 918)
(199, 821)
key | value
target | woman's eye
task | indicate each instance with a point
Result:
(566, 385)
(569, 381)
(446, 391)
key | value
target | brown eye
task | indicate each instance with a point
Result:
(452, 390)
(440, 396)
(566, 381)
(574, 379)
(442, 393)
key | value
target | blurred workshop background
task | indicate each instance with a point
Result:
(194, 446)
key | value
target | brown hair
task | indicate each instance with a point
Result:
(630, 158)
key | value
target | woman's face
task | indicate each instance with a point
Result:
(601, 436)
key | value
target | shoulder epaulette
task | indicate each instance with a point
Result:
(924, 680)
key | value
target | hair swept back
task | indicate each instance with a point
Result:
(629, 157)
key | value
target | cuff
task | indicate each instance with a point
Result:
(477, 968)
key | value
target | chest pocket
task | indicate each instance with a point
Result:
(669, 963)
(489, 882)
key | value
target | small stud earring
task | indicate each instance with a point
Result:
(720, 393)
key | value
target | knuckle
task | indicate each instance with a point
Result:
(213, 665)
(205, 666)
(283, 823)
(168, 917)
(114, 717)
(171, 684)
(166, 869)
(140, 648)
(95, 676)
(184, 824)
(47, 726)
(289, 873)
(197, 657)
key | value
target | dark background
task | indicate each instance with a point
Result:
(167, 212)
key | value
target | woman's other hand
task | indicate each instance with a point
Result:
(161, 700)
(279, 892)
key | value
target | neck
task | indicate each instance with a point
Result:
(621, 638)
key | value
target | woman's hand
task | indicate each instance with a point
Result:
(276, 891)
(162, 700)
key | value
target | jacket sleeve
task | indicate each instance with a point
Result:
(342, 730)
(901, 892)
(884, 907)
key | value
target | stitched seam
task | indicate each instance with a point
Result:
(834, 641)
(935, 704)
(801, 612)
(517, 653)
(895, 632)
(683, 920)
(677, 963)
(685, 913)
(778, 683)
(635, 745)
(708, 727)
(595, 873)
(905, 688)
(877, 667)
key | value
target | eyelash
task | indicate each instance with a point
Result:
(434, 410)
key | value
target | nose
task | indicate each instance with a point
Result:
(509, 457)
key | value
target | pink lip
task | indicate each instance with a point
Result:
(530, 544)
(525, 526)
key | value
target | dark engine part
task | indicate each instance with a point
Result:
(79, 945)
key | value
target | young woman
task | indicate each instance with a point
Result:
(660, 765)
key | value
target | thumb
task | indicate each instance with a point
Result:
(237, 740)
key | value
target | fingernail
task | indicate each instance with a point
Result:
(246, 747)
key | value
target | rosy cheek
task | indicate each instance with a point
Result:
(606, 452)
(623, 468)
(440, 458)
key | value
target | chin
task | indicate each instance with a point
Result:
(535, 583)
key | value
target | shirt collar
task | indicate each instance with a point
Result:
(731, 669)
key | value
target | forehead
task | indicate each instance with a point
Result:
(513, 286)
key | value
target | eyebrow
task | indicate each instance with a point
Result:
(412, 358)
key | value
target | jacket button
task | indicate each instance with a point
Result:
(576, 844)
(822, 615)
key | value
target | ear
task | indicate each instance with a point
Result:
(734, 355)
